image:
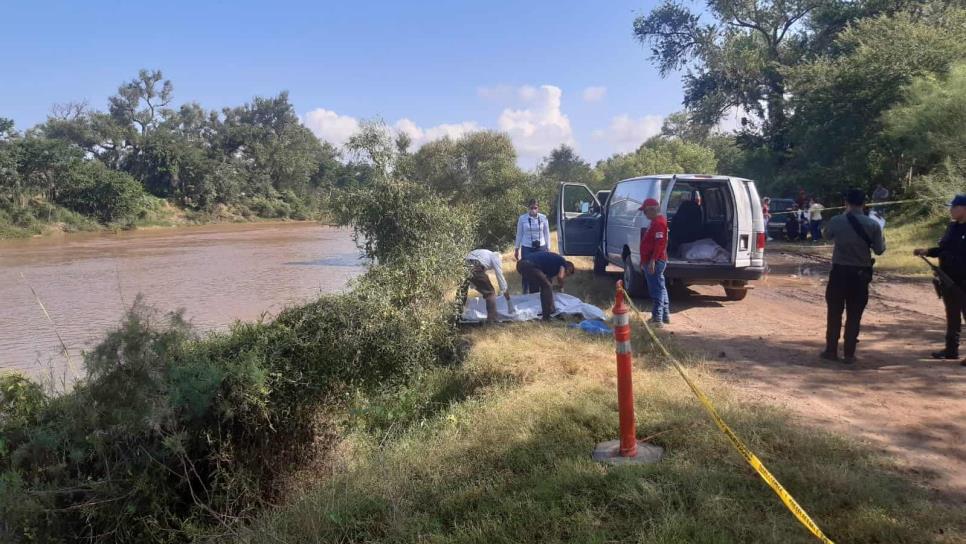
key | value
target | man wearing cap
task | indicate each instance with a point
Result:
(952, 260)
(533, 235)
(853, 235)
(654, 262)
(478, 262)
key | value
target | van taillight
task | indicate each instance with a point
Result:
(760, 241)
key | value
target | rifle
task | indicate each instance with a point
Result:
(939, 277)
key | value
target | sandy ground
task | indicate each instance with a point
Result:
(895, 397)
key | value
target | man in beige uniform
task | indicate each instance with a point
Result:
(478, 262)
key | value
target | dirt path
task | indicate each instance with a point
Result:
(894, 397)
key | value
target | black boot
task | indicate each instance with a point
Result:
(944, 354)
(848, 355)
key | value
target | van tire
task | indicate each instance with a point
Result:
(600, 264)
(736, 294)
(633, 279)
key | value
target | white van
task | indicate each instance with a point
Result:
(716, 236)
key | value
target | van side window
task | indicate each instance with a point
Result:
(629, 195)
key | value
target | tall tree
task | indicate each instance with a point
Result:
(564, 165)
(143, 101)
(738, 60)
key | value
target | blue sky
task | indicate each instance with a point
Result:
(546, 72)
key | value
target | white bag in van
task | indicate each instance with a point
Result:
(705, 249)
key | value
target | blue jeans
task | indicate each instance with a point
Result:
(816, 225)
(657, 289)
(524, 251)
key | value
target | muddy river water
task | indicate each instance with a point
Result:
(218, 274)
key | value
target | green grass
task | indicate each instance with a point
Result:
(498, 450)
(904, 235)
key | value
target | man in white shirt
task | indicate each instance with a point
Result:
(815, 219)
(533, 235)
(478, 262)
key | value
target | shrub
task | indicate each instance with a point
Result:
(93, 189)
(171, 436)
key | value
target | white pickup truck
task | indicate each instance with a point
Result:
(704, 211)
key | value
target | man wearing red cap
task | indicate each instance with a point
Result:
(654, 261)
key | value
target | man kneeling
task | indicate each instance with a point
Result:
(538, 270)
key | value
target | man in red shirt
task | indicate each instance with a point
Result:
(654, 261)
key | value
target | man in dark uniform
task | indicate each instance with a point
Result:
(854, 235)
(952, 260)
(539, 270)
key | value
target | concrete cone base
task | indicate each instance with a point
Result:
(610, 452)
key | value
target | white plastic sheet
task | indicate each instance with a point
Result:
(528, 308)
(705, 249)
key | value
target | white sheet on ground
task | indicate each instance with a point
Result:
(705, 249)
(528, 308)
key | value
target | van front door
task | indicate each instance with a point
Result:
(578, 220)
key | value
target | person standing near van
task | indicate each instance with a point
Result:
(815, 219)
(952, 260)
(853, 235)
(533, 235)
(654, 262)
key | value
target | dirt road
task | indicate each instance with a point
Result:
(895, 397)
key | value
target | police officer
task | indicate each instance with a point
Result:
(952, 260)
(853, 235)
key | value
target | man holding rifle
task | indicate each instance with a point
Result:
(952, 272)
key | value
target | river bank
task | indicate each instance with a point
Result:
(157, 214)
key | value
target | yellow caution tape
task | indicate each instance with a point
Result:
(869, 204)
(752, 459)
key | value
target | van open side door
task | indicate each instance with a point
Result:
(579, 220)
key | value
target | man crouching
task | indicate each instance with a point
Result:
(538, 270)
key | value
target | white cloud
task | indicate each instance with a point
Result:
(627, 134)
(541, 126)
(421, 135)
(536, 127)
(330, 126)
(336, 129)
(594, 94)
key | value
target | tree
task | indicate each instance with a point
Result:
(657, 156)
(840, 101)
(564, 165)
(928, 123)
(7, 130)
(742, 58)
(143, 101)
(477, 172)
(379, 146)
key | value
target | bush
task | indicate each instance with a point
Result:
(170, 436)
(93, 189)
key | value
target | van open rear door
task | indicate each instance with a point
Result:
(579, 220)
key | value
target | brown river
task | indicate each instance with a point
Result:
(218, 274)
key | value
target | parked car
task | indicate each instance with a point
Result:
(725, 210)
(776, 227)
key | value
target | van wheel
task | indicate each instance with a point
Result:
(600, 264)
(736, 294)
(633, 279)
